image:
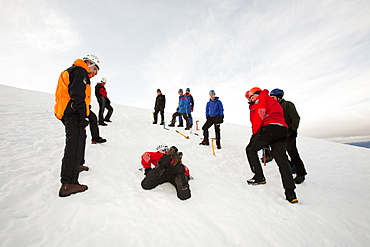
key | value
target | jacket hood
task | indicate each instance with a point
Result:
(264, 92)
(82, 64)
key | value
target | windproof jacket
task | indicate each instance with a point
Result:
(290, 115)
(152, 158)
(184, 106)
(214, 108)
(73, 93)
(100, 91)
(264, 111)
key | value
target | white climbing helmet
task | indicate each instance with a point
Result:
(92, 59)
(103, 79)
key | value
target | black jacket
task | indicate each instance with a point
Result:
(160, 102)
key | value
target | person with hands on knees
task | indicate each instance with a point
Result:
(268, 128)
(169, 169)
(73, 97)
(215, 116)
(292, 119)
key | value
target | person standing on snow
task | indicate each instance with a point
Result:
(94, 129)
(191, 105)
(292, 120)
(215, 116)
(168, 169)
(104, 102)
(183, 109)
(73, 97)
(160, 104)
(268, 128)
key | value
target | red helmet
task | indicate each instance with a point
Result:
(252, 91)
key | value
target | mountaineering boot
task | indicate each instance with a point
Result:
(180, 125)
(102, 124)
(98, 140)
(299, 179)
(69, 189)
(107, 120)
(218, 144)
(162, 123)
(83, 168)
(291, 196)
(205, 143)
(256, 181)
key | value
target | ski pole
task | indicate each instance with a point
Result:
(264, 156)
(197, 124)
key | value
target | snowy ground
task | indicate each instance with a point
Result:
(333, 208)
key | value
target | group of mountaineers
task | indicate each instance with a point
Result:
(274, 120)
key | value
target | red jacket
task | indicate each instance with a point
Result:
(152, 158)
(265, 110)
(102, 90)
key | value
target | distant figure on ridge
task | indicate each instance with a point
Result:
(160, 104)
(73, 97)
(168, 167)
(268, 128)
(215, 117)
(104, 102)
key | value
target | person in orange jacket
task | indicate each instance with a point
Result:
(268, 128)
(73, 97)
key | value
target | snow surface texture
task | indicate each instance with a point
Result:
(333, 208)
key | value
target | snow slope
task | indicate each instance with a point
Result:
(333, 208)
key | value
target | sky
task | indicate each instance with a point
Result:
(318, 52)
(223, 211)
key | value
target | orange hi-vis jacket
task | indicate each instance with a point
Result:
(73, 94)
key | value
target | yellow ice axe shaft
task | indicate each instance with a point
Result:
(213, 146)
(187, 137)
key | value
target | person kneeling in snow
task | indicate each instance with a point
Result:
(168, 168)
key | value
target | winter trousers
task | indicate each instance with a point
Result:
(205, 128)
(104, 103)
(190, 119)
(173, 121)
(275, 136)
(156, 115)
(156, 177)
(295, 159)
(93, 124)
(74, 150)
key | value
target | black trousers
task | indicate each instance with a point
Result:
(295, 159)
(74, 150)
(104, 103)
(156, 177)
(275, 136)
(184, 115)
(205, 128)
(156, 115)
(93, 124)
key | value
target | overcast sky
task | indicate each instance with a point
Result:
(318, 52)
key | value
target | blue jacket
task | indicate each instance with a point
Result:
(184, 106)
(214, 108)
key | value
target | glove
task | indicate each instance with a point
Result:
(192, 109)
(147, 170)
(292, 134)
(83, 121)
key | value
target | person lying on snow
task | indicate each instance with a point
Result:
(168, 167)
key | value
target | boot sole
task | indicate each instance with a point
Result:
(256, 183)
